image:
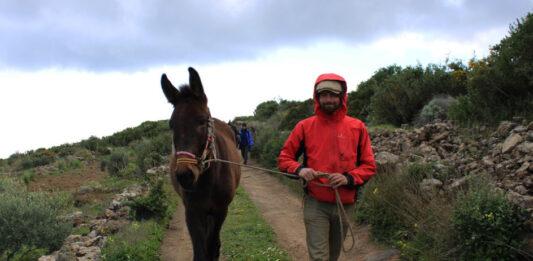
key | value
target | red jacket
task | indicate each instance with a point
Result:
(331, 143)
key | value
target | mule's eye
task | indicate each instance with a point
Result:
(202, 121)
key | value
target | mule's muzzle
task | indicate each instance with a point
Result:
(187, 174)
(186, 180)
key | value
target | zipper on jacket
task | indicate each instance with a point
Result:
(335, 149)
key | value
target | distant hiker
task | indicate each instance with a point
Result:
(333, 143)
(246, 142)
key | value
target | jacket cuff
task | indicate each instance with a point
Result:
(297, 172)
(350, 179)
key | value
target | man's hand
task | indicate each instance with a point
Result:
(336, 180)
(307, 174)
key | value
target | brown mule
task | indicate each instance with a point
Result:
(205, 189)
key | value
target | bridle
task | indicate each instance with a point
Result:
(209, 149)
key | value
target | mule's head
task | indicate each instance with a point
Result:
(189, 125)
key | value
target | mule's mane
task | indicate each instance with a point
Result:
(185, 91)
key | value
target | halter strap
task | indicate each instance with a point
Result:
(185, 153)
(202, 162)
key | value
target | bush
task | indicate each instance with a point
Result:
(358, 102)
(29, 221)
(28, 176)
(149, 152)
(92, 143)
(270, 152)
(437, 108)
(295, 112)
(486, 226)
(400, 213)
(147, 129)
(264, 110)
(402, 95)
(118, 160)
(154, 205)
(37, 158)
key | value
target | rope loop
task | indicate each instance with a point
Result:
(341, 211)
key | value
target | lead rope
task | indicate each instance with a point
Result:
(210, 148)
(340, 207)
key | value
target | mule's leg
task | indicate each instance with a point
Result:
(197, 224)
(213, 233)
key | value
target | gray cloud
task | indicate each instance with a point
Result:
(132, 35)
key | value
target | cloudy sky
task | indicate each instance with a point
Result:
(72, 69)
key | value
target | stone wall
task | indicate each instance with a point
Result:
(89, 247)
(505, 155)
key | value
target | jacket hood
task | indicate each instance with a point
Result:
(341, 111)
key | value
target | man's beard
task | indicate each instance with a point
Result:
(329, 107)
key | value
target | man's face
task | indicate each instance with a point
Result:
(243, 127)
(329, 102)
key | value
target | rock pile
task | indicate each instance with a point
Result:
(88, 247)
(505, 155)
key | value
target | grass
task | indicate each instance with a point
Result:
(246, 236)
(139, 241)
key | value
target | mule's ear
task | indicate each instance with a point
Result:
(170, 91)
(196, 84)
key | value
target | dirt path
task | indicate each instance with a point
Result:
(283, 211)
(176, 242)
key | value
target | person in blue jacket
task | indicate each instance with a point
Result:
(246, 142)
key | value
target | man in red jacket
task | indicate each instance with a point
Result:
(333, 143)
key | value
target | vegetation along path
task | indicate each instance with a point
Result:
(282, 210)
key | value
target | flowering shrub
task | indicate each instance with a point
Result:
(486, 226)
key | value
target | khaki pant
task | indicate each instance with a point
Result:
(324, 239)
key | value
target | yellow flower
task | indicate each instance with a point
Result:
(416, 225)
(489, 215)
(136, 224)
(375, 191)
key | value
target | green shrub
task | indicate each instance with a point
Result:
(92, 143)
(149, 152)
(437, 108)
(465, 112)
(64, 150)
(268, 144)
(264, 110)
(28, 176)
(139, 241)
(65, 164)
(154, 205)
(400, 213)
(271, 150)
(295, 112)
(358, 102)
(243, 119)
(29, 221)
(14, 158)
(487, 227)
(402, 95)
(148, 129)
(37, 158)
(118, 160)
(379, 205)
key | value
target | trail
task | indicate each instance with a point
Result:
(283, 211)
